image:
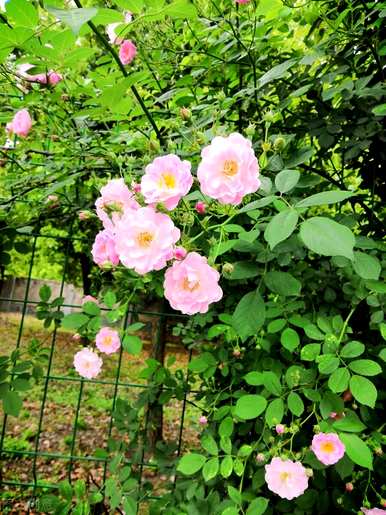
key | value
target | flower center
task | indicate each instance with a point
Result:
(168, 180)
(284, 476)
(113, 207)
(144, 239)
(190, 285)
(230, 168)
(107, 340)
(327, 447)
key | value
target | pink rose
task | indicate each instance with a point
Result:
(87, 363)
(200, 207)
(179, 253)
(328, 448)
(115, 199)
(203, 420)
(191, 285)
(228, 169)
(54, 78)
(127, 51)
(166, 180)
(373, 511)
(50, 77)
(111, 30)
(89, 298)
(279, 428)
(21, 124)
(103, 250)
(107, 340)
(288, 479)
(145, 239)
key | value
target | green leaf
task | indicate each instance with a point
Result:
(45, 293)
(280, 227)
(250, 406)
(379, 110)
(226, 427)
(134, 6)
(365, 367)
(290, 339)
(132, 344)
(272, 383)
(234, 494)
(91, 308)
(244, 270)
(110, 299)
(295, 404)
(339, 379)
(328, 238)
(276, 72)
(181, 9)
(363, 391)
(254, 378)
(74, 321)
(258, 506)
(350, 423)
(274, 412)
(209, 444)
(191, 463)
(74, 18)
(286, 180)
(357, 450)
(325, 198)
(366, 266)
(12, 404)
(249, 315)
(310, 352)
(328, 363)
(352, 349)
(226, 466)
(22, 12)
(210, 469)
(282, 283)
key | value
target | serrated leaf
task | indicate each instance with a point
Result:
(357, 450)
(280, 227)
(363, 390)
(295, 404)
(286, 180)
(250, 406)
(327, 237)
(282, 283)
(249, 315)
(365, 367)
(339, 379)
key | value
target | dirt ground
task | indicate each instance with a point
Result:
(58, 417)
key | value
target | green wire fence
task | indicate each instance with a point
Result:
(32, 458)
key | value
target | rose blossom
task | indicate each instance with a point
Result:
(179, 253)
(191, 285)
(200, 207)
(286, 478)
(107, 340)
(111, 29)
(87, 363)
(89, 298)
(373, 511)
(103, 250)
(328, 448)
(127, 51)
(279, 428)
(228, 169)
(51, 77)
(21, 124)
(114, 200)
(166, 180)
(203, 420)
(145, 239)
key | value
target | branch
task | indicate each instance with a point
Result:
(115, 56)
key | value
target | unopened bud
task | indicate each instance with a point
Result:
(236, 353)
(279, 143)
(185, 113)
(309, 472)
(179, 253)
(84, 215)
(260, 457)
(203, 420)
(154, 145)
(266, 146)
(349, 487)
(378, 451)
(136, 187)
(347, 396)
(227, 268)
(200, 207)
(279, 428)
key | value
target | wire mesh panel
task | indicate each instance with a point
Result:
(66, 422)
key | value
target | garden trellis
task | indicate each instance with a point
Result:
(32, 459)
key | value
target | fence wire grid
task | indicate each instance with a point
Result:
(33, 476)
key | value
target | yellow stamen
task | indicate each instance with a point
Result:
(190, 285)
(230, 168)
(168, 180)
(327, 447)
(144, 239)
(107, 340)
(284, 476)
